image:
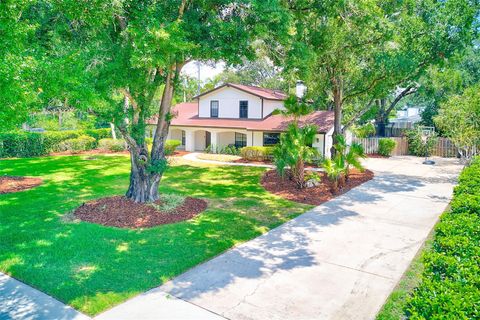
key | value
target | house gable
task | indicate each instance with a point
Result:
(228, 100)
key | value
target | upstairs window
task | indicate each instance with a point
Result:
(271, 138)
(244, 109)
(214, 109)
(240, 140)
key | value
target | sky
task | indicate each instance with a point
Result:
(206, 71)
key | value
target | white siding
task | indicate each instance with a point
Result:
(229, 103)
(200, 139)
(318, 143)
(257, 138)
(225, 138)
(270, 105)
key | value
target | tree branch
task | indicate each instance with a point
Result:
(358, 115)
(407, 91)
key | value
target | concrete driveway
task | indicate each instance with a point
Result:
(340, 260)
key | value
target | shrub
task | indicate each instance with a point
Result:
(112, 145)
(416, 146)
(34, 144)
(257, 153)
(171, 145)
(450, 286)
(386, 146)
(52, 139)
(22, 144)
(99, 134)
(81, 143)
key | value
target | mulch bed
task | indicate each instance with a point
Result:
(118, 211)
(287, 189)
(10, 184)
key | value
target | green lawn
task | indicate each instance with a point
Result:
(92, 267)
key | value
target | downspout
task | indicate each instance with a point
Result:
(262, 112)
(324, 141)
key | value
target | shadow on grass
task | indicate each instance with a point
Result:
(93, 267)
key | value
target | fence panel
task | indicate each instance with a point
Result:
(444, 147)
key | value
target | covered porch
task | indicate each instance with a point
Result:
(199, 139)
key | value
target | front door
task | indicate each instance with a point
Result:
(208, 139)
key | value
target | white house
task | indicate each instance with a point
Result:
(239, 115)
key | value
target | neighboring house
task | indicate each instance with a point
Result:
(239, 115)
(407, 117)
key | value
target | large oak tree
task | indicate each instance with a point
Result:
(129, 55)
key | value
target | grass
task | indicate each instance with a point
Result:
(218, 157)
(92, 267)
(394, 307)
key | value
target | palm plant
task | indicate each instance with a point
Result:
(294, 147)
(351, 155)
(334, 170)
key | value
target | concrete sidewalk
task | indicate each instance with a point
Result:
(340, 260)
(20, 301)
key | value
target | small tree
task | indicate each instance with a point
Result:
(350, 155)
(334, 169)
(294, 148)
(459, 118)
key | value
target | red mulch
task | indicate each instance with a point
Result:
(287, 189)
(10, 184)
(118, 211)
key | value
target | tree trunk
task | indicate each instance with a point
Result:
(381, 118)
(112, 128)
(143, 184)
(299, 174)
(337, 101)
(146, 172)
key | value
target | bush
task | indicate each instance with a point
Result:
(82, 143)
(52, 139)
(99, 134)
(257, 153)
(450, 287)
(171, 145)
(386, 146)
(22, 144)
(112, 145)
(417, 147)
(34, 144)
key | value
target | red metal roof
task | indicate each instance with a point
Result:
(186, 114)
(268, 94)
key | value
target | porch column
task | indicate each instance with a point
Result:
(214, 141)
(250, 138)
(189, 140)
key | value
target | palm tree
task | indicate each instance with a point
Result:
(294, 147)
(351, 155)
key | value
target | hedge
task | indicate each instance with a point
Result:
(450, 287)
(257, 153)
(33, 144)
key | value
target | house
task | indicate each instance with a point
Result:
(239, 115)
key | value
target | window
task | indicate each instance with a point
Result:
(240, 140)
(270, 138)
(244, 109)
(183, 137)
(214, 109)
